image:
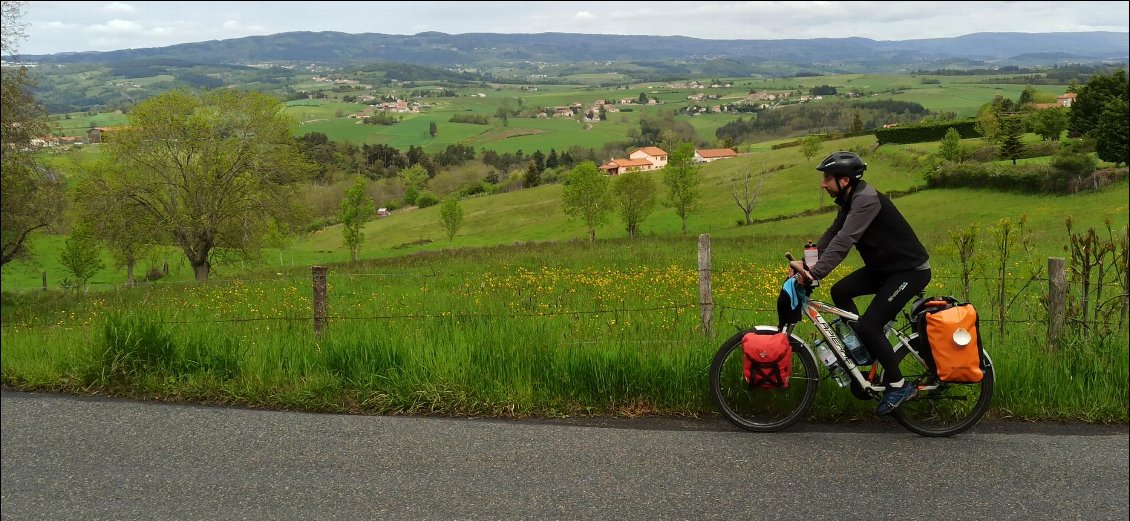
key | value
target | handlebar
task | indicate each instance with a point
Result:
(812, 283)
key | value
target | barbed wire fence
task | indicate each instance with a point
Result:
(728, 310)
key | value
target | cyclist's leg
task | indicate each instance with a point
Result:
(859, 282)
(893, 294)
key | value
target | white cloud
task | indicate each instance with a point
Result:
(238, 26)
(116, 26)
(585, 15)
(57, 26)
(119, 7)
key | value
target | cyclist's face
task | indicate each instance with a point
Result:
(831, 185)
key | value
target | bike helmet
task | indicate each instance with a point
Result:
(843, 164)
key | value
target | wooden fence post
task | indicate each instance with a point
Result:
(319, 273)
(705, 297)
(1057, 300)
(45, 281)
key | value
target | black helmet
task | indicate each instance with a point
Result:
(843, 164)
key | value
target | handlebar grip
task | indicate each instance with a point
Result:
(789, 256)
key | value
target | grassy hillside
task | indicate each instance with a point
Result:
(960, 95)
(520, 315)
(790, 186)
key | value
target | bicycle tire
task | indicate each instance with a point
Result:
(762, 410)
(950, 408)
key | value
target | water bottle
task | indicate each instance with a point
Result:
(811, 254)
(852, 344)
(835, 370)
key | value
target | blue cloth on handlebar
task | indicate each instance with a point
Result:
(797, 296)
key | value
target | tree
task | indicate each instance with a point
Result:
(1011, 147)
(746, 189)
(1026, 97)
(1111, 134)
(951, 146)
(33, 197)
(990, 118)
(682, 179)
(356, 210)
(451, 217)
(80, 257)
(414, 178)
(211, 170)
(1091, 99)
(503, 113)
(810, 146)
(585, 196)
(988, 124)
(432, 129)
(551, 160)
(1048, 123)
(539, 160)
(643, 98)
(856, 122)
(532, 177)
(126, 230)
(634, 194)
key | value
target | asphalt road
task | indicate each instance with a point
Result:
(86, 458)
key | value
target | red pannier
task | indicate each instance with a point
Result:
(768, 360)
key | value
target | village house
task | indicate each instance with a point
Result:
(708, 155)
(98, 134)
(656, 155)
(621, 166)
(1064, 100)
(55, 141)
(646, 158)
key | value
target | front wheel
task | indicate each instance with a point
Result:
(941, 409)
(757, 409)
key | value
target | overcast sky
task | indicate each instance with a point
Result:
(52, 27)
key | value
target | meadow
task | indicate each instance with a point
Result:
(955, 95)
(518, 314)
(535, 329)
(960, 95)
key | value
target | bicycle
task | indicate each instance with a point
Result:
(938, 409)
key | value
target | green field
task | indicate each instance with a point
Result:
(961, 95)
(519, 315)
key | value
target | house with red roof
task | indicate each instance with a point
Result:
(707, 155)
(646, 158)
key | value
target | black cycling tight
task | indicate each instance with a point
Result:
(892, 291)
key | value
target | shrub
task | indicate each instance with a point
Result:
(154, 274)
(426, 199)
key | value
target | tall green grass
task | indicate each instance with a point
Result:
(533, 329)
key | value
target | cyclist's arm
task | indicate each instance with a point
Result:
(863, 210)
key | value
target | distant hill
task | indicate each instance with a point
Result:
(486, 49)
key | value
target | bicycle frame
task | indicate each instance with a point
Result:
(813, 309)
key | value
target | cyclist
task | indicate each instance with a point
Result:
(896, 265)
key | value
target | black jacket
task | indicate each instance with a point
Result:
(869, 221)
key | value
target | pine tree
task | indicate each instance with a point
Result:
(1011, 147)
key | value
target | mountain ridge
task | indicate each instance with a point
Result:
(849, 54)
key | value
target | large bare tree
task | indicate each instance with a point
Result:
(745, 187)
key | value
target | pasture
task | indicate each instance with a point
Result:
(519, 315)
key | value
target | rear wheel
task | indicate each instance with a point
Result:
(949, 408)
(757, 409)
